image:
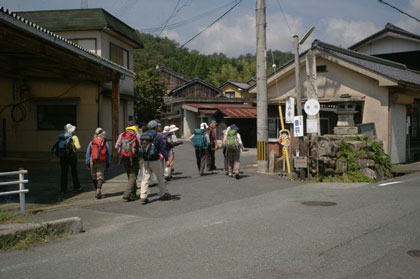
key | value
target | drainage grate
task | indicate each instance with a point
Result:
(414, 253)
(318, 203)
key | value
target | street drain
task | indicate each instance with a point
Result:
(414, 253)
(318, 203)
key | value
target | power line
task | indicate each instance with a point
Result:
(169, 18)
(401, 11)
(189, 20)
(285, 18)
(211, 24)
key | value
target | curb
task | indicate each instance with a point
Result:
(10, 232)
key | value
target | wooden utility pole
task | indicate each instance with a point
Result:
(262, 122)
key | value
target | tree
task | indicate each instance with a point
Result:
(149, 92)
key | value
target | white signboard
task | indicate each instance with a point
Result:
(311, 107)
(298, 126)
(290, 109)
(312, 126)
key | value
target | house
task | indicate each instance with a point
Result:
(235, 89)
(382, 91)
(171, 79)
(47, 80)
(105, 35)
(198, 101)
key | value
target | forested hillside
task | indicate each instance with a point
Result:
(215, 68)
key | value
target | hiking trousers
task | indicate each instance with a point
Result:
(150, 167)
(131, 166)
(64, 164)
(201, 157)
(233, 157)
(211, 159)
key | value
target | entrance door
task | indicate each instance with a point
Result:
(413, 126)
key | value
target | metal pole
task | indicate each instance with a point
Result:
(262, 130)
(21, 188)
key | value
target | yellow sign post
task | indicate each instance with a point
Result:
(284, 140)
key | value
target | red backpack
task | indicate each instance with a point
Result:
(129, 146)
(98, 152)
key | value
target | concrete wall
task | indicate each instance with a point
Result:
(390, 45)
(191, 121)
(24, 136)
(398, 136)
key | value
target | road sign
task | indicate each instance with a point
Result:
(311, 107)
(298, 126)
(312, 126)
(290, 109)
(301, 162)
(284, 138)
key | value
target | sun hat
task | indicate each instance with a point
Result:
(204, 126)
(166, 129)
(69, 128)
(152, 124)
(173, 128)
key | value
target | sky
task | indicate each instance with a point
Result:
(339, 22)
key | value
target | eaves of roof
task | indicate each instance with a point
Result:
(171, 72)
(196, 80)
(36, 30)
(388, 28)
(238, 84)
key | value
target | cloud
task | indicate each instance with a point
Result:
(345, 33)
(238, 36)
(408, 23)
(171, 35)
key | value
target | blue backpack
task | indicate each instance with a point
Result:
(63, 147)
(148, 148)
(199, 140)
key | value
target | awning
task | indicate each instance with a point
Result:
(208, 111)
(239, 112)
(228, 110)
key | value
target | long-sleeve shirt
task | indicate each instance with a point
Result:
(89, 153)
(76, 143)
(238, 136)
(160, 144)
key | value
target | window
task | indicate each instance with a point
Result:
(230, 94)
(118, 55)
(54, 117)
(89, 44)
(273, 127)
(321, 69)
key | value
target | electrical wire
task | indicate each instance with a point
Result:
(211, 24)
(399, 10)
(285, 18)
(189, 20)
(170, 17)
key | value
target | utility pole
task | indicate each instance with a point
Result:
(262, 122)
(84, 4)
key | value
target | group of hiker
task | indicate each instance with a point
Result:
(153, 148)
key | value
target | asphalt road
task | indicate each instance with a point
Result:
(255, 227)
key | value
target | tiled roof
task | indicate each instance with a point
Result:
(393, 70)
(171, 72)
(196, 80)
(81, 19)
(242, 85)
(19, 21)
(388, 28)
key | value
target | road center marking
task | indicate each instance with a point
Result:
(389, 183)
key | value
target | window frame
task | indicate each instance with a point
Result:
(123, 49)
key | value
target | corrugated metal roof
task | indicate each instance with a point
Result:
(229, 110)
(16, 20)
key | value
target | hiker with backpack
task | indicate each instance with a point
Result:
(213, 146)
(200, 142)
(128, 148)
(233, 143)
(171, 141)
(225, 158)
(65, 149)
(152, 147)
(98, 158)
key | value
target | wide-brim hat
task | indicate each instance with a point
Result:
(166, 129)
(173, 128)
(69, 128)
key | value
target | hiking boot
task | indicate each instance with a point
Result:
(227, 173)
(144, 201)
(230, 174)
(131, 198)
(166, 197)
(98, 194)
(237, 176)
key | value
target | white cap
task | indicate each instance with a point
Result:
(204, 126)
(69, 128)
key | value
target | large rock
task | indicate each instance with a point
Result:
(369, 173)
(365, 163)
(341, 166)
(356, 145)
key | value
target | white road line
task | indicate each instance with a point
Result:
(390, 183)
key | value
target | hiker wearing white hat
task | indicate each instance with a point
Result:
(171, 141)
(65, 148)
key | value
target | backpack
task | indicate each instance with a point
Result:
(148, 149)
(63, 147)
(129, 145)
(232, 140)
(199, 140)
(98, 151)
(168, 140)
